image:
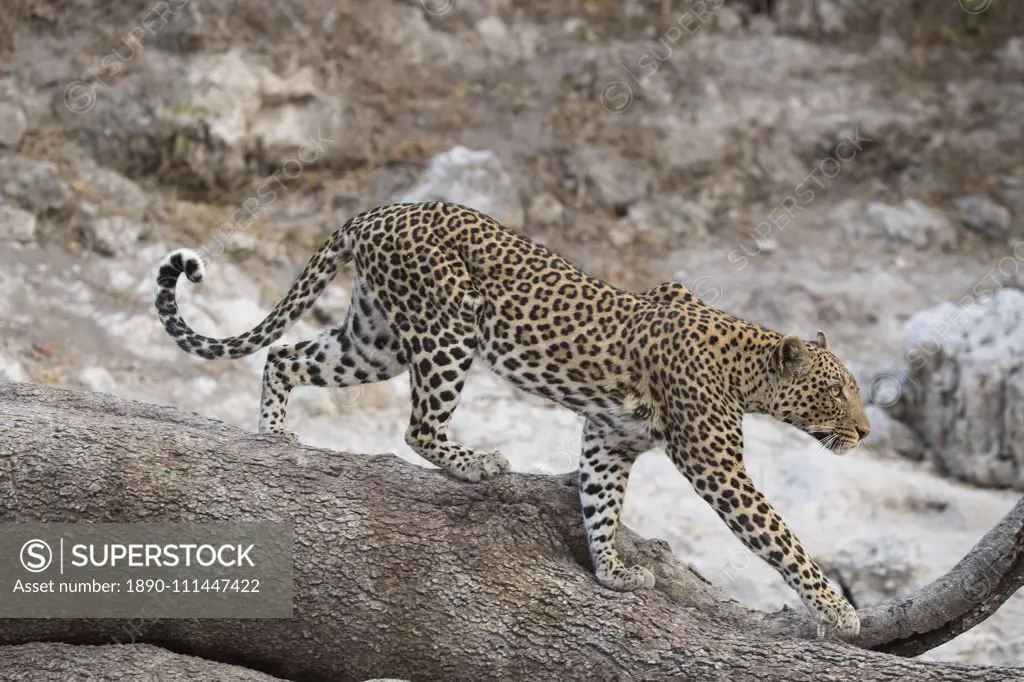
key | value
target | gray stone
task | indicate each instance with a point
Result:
(33, 185)
(875, 571)
(728, 20)
(107, 191)
(788, 305)
(245, 245)
(965, 393)
(13, 124)
(213, 113)
(1011, 55)
(889, 436)
(474, 178)
(13, 118)
(663, 222)
(683, 152)
(983, 215)
(98, 380)
(545, 210)
(815, 16)
(11, 370)
(16, 225)
(1010, 192)
(113, 235)
(880, 384)
(497, 39)
(832, 15)
(619, 181)
(669, 215)
(910, 223)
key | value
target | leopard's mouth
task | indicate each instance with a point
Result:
(830, 440)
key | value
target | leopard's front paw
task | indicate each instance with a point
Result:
(485, 465)
(282, 435)
(626, 578)
(835, 612)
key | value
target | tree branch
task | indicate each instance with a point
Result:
(400, 571)
(965, 596)
(50, 661)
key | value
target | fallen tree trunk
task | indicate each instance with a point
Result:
(402, 572)
(55, 662)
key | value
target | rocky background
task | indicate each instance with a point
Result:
(855, 166)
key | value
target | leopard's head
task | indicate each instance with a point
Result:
(812, 390)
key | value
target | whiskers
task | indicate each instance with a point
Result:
(831, 439)
(831, 442)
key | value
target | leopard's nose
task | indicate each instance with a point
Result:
(863, 431)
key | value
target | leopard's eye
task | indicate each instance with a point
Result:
(836, 391)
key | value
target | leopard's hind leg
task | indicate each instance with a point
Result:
(439, 360)
(362, 350)
(440, 336)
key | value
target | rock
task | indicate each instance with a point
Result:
(245, 245)
(880, 384)
(832, 15)
(1011, 55)
(1010, 192)
(16, 225)
(105, 191)
(11, 370)
(98, 380)
(620, 234)
(474, 178)
(619, 181)
(545, 210)
(910, 223)
(186, 32)
(685, 153)
(817, 17)
(214, 115)
(12, 115)
(788, 306)
(728, 20)
(413, 41)
(113, 235)
(242, 100)
(983, 215)
(14, 125)
(496, 38)
(965, 388)
(33, 185)
(889, 436)
(875, 571)
(664, 221)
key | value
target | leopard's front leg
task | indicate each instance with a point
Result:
(605, 464)
(714, 467)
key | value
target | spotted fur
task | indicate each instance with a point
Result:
(439, 285)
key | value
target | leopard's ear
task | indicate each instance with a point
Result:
(791, 356)
(820, 340)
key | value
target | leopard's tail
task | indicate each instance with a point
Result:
(315, 277)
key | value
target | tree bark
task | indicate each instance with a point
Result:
(400, 571)
(55, 662)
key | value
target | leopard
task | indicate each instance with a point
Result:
(439, 285)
